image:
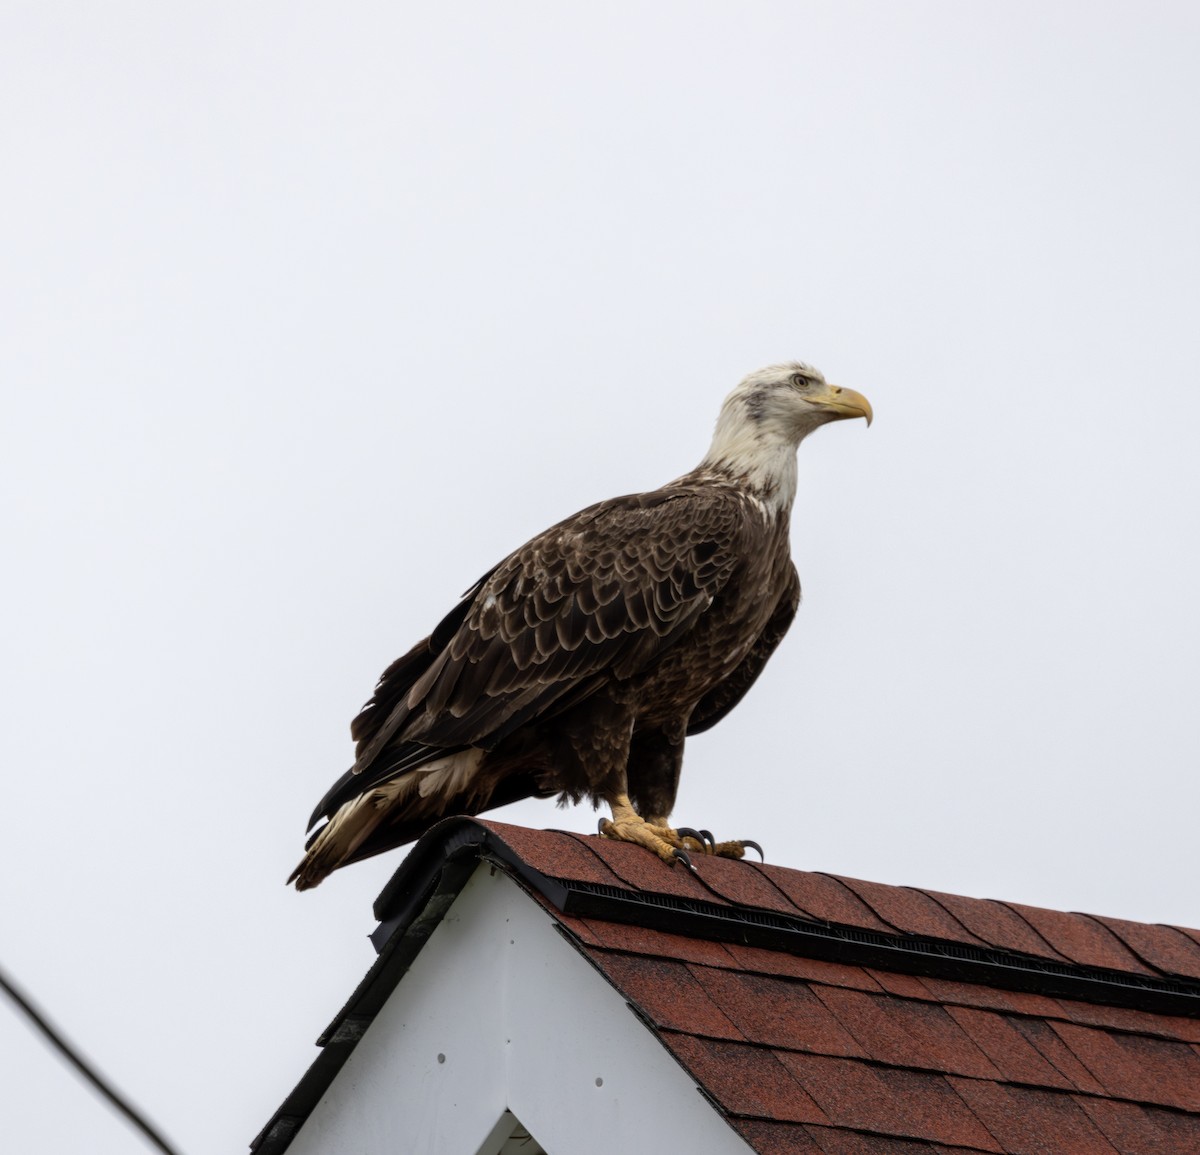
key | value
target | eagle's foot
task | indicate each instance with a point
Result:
(705, 843)
(697, 839)
(686, 838)
(634, 828)
(737, 849)
(669, 843)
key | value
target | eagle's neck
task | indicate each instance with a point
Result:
(754, 451)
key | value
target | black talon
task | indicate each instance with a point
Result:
(685, 858)
(707, 836)
(694, 835)
(748, 842)
(600, 825)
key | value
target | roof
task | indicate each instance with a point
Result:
(834, 1016)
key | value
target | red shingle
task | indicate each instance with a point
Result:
(739, 883)
(1187, 932)
(822, 897)
(1163, 947)
(910, 911)
(840, 1142)
(975, 995)
(1136, 1067)
(642, 940)
(996, 924)
(774, 962)
(666, 992)
(1128, 1019)
(903, 1103)
(745, 1080)
(1130, 1127)
(553, 854)
(776, 1012)
(906, 986)
(636, 867)
(1023, 1120)
(1013, 1055)
(1050, 1046)
(930, 1102)
(907, 1034)
(1179, 1132)
(1080, 939)
(777, 1138)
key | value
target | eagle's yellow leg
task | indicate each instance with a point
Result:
(685, 837)
(627, 825)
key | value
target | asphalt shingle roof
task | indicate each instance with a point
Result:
(834, 1016)
(807, 1054)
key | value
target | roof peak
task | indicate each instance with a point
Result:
(806, 1007)
(815, 915)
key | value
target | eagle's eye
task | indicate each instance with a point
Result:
(800, 381)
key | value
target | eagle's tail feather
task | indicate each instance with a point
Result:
(413, 797)
(352, 823)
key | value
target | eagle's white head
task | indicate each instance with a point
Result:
(766, 417)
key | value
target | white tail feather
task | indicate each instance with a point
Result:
(354, 821)
(449, 776)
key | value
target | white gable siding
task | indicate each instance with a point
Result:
(499, 1013)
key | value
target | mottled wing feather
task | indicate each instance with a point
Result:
(602, 593)
(607, 590)
(722, 698)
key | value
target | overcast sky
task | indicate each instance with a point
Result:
(311, 313)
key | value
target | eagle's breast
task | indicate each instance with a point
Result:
(722, 636)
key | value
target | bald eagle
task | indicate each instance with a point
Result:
(580, 663)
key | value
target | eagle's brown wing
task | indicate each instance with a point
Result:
(722, 698)
(602, 594)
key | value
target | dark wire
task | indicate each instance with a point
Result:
(131, 1113)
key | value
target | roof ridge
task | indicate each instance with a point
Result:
(1101, 922)
(932, 896)
(1072, 938)
(758, 869)
(943, 958)
(841, 880)
(684, 904)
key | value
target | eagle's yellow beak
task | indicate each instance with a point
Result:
(843, 402)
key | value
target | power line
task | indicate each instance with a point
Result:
(114, 1097)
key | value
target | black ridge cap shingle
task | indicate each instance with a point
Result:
(414, 900)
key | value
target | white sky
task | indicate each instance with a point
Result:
(313, 312)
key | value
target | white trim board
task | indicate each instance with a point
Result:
(498, 1017)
